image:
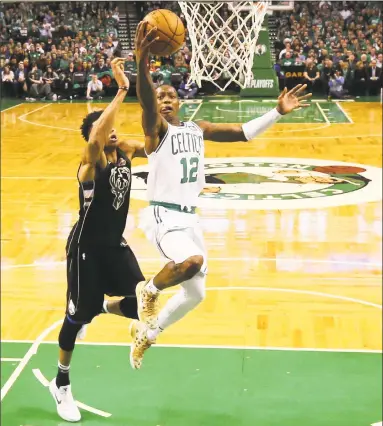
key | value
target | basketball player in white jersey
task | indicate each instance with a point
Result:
(175, 152)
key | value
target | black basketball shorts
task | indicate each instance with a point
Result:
(92, 273)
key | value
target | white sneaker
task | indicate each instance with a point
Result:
(66, 405)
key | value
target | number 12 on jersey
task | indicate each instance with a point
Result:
(190, 169)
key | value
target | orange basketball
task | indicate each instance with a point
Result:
(170, 30)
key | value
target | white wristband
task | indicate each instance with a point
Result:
(255, 127)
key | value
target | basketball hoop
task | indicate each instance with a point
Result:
(223, 37)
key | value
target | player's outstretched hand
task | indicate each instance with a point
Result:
(118, 72)
(289, 101)
(144, 39)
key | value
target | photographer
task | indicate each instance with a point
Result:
(335, 84)
(187, 90)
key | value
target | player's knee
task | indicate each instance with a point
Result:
(195, 290)
(68, 334)
(198, 295)
(128, 306)
(192, 266)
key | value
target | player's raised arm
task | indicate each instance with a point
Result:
(287, 102)
(133, 148)
(152, 122)
(102, 128)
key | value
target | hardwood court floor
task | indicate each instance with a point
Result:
(281, 275)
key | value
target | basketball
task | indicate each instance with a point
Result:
(170, 30)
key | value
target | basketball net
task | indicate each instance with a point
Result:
(223, 40)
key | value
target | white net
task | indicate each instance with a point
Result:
(223, 37)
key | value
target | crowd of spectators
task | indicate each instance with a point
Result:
(337, 45)
(64, 50)
(52, 50)
(45, 46)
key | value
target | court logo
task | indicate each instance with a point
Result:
(280, 183)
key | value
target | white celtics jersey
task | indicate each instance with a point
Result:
(176, 168)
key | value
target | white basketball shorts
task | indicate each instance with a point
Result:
(176, 235)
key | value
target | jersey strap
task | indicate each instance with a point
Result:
(162, 140)
(175, 207)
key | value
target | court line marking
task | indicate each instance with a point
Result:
(44, 381)
(229, 347)
(48, 126)
(282, 290)
(217, 259)
(69, 129)
(14, 106)
(344, 112)
(325, 125)
(21, 117)
(323, 113)
(39, 177)
(27, 357)
(136, 135)
(195, 111)
(290, 290)
(31, 351)
(11, 359)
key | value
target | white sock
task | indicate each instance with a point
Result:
(105, 306)
(153, 333)
(151, 288)
(63, 367)
(190, 295)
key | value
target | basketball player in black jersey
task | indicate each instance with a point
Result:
(99, 261)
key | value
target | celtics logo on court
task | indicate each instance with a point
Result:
(280, 183)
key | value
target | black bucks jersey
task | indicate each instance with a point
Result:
(104, 205)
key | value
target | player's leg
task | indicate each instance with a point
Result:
(121, 276)
(180, 246)
(84, 301)
(186, 261)
(192, 291)
(125, 307)
(190, 295)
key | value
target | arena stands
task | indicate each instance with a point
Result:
(335, 47)
(71, 40)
